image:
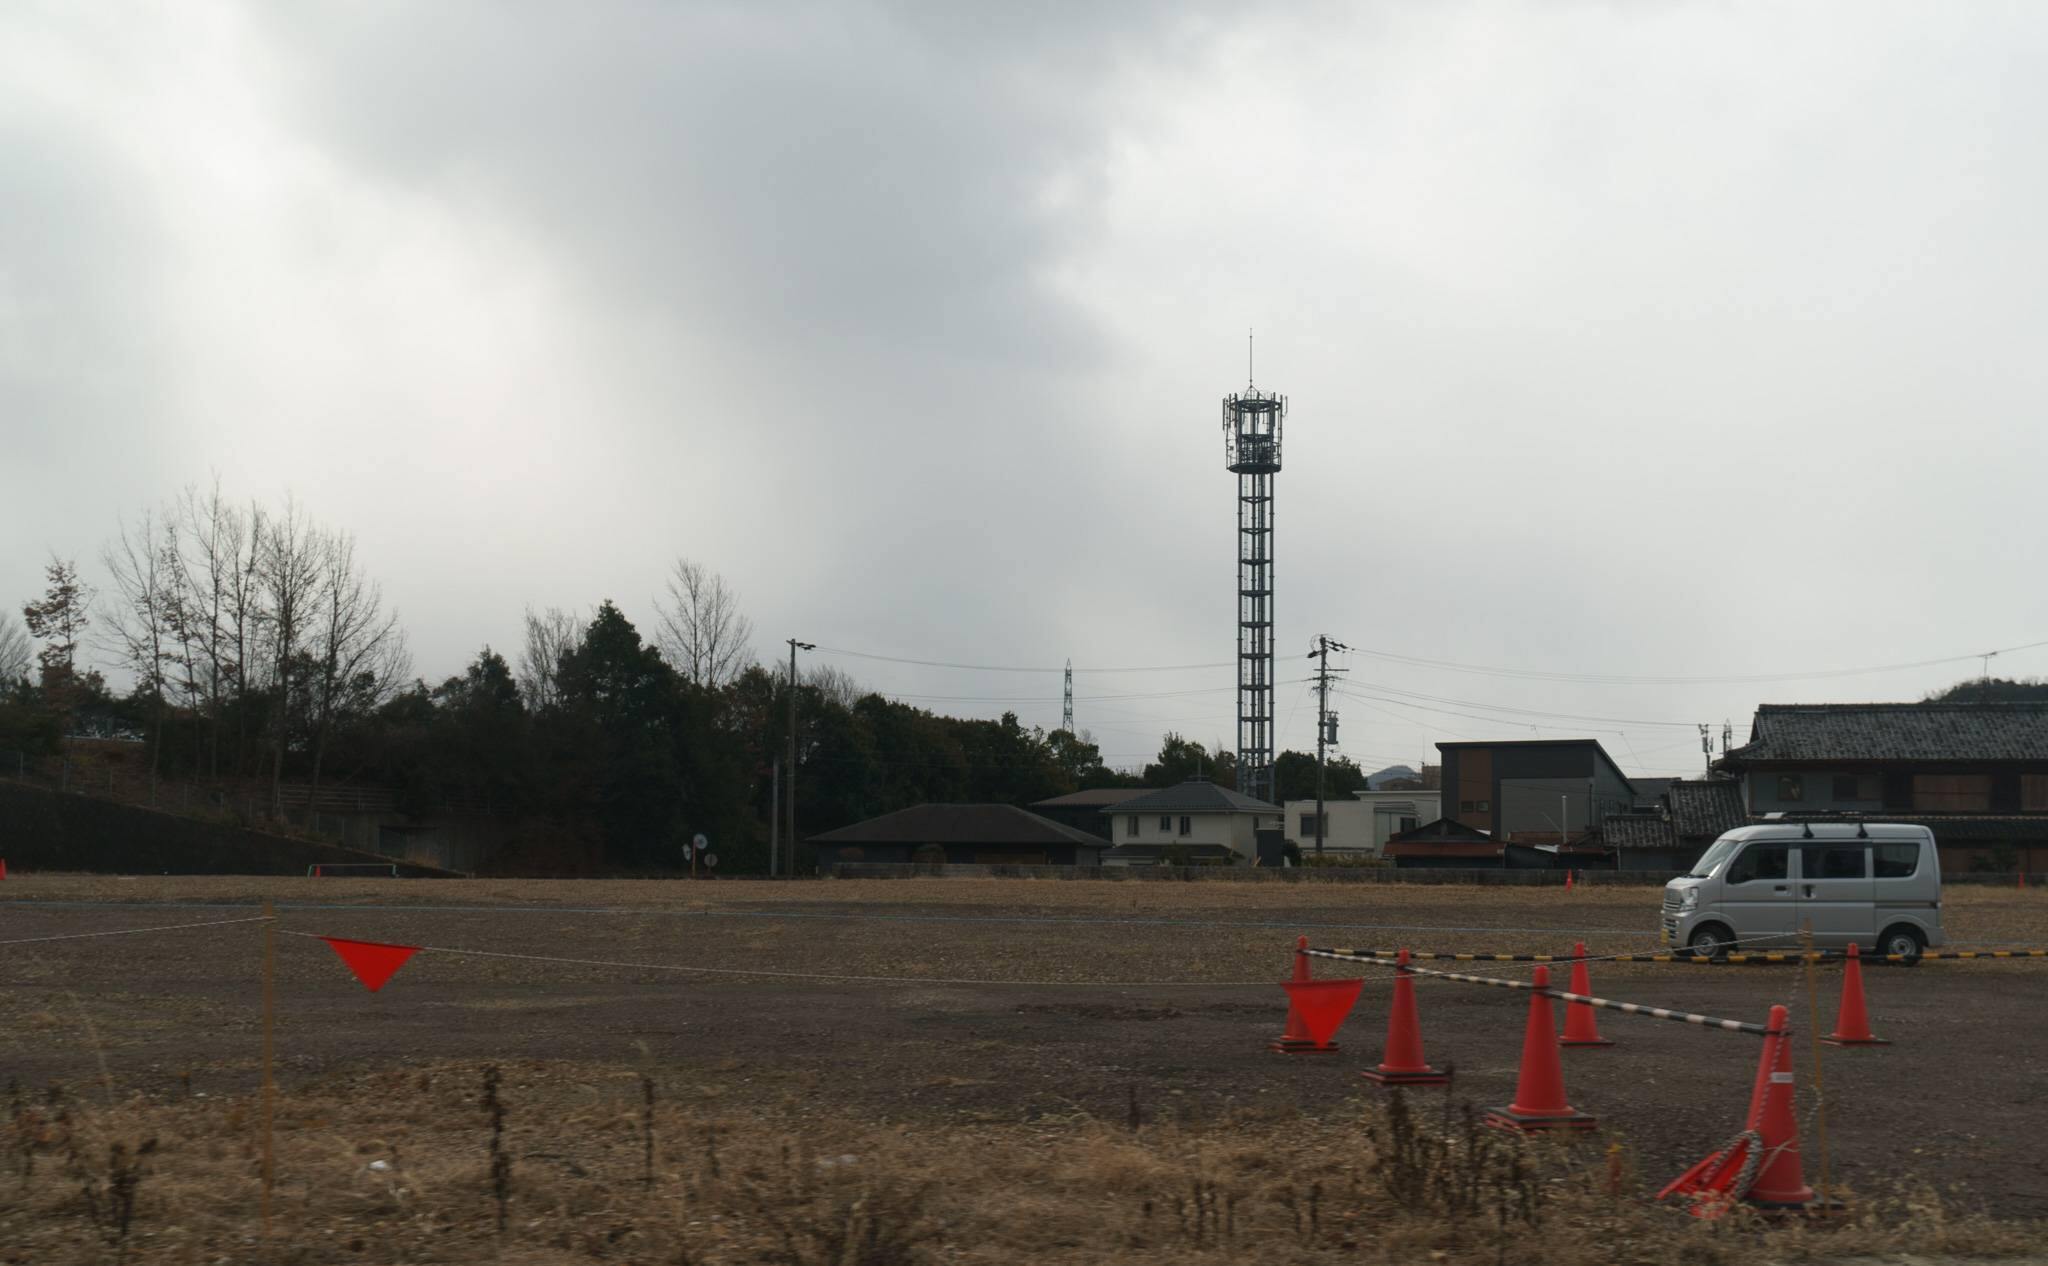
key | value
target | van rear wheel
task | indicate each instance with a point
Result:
(1902, 942)
(1710, 940)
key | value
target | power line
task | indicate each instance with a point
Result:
(1610, 679)
(1529, 712)
(1519, 717)
(1014, 668)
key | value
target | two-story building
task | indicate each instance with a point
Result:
(1193, 821)
(1557, 789)
(1974, 773)
(1361, 824)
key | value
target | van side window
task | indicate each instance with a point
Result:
(1897, 861)
(1760, 861)
(1832, 861)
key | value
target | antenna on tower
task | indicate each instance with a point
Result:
(1067, 712)
(1249, 376)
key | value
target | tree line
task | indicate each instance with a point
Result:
(258, 652)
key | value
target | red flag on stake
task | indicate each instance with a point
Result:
(373, 962)
(1322, 1005)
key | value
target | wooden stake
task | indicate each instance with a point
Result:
(269, 1052)
(1820, 1090)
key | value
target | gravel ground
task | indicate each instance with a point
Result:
(1012, 1001)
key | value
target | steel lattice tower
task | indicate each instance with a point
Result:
(1251, 450)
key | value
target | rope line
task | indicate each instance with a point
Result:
(801, 975)
(1626, 957)
(1609, 1004)
(170, 927)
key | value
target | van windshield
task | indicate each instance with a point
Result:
(1712, 857)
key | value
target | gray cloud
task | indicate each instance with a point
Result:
(1624, 339)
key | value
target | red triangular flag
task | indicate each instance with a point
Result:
(372, 961)
(1322, 1005)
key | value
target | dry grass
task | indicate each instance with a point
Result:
(396, 1167)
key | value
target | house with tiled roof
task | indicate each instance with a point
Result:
(1670, 832)
(1192, 821)
(1976, 774)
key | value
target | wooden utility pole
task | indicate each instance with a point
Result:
(269, 1092)
(789, 818)
(1326, 725)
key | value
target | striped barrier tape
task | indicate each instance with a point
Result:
(1567, 959)
(1608, 1004)
(1927, 954)
(1817, 956)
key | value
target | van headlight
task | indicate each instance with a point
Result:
(1691, 899)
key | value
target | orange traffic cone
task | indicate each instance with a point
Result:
(1295, 1039)
(1403, 1064)
(3, 868)
(1568, 880)
(1771, 1136)
(1581, 1028)
(1780, 1182)
(1852, 1020)
(1539, 1092)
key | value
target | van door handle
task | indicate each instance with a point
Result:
(1809, 890)
(1778, 888)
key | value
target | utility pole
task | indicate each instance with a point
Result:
(1067, 711)
(774, 817)
(1326, 722)
(1707, 747)
(789, 818)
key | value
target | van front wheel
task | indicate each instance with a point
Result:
(1710, 940)
(1901, 942)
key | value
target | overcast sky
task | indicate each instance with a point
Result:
(1621, 339)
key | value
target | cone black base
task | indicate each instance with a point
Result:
(1299, 1046)
(1404, 1077)
(1526, 1123)
(1857, 1041)
(1596, 1041)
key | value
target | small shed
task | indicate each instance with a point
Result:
(977, 834)
(1444, 843)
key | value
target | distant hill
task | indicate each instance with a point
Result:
(1378, 780)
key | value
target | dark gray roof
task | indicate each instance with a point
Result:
(1637, 830)
(1702, 808)
(960, 824)
(1093, 798)
(1821, 732)
(1196, 795)
(1650, 790)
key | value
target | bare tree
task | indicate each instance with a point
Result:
(702, 632)
(287, 580)
(211, 535)
(836, 685)
(141, 620)
(357, 649)
(242, 623)
(15, 652)
(549, 635)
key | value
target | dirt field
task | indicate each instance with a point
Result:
(1031, 1017)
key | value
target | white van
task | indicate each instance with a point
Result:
(1876, 885)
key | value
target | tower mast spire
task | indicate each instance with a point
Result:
(1251, 451)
